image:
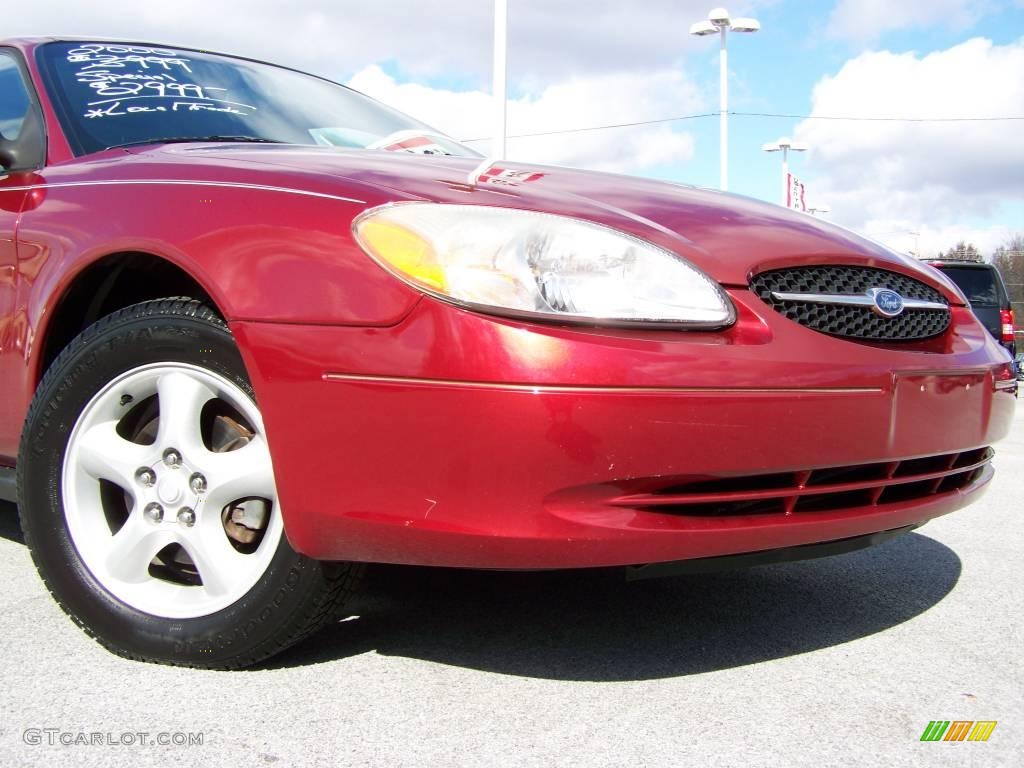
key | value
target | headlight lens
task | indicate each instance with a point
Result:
(514, 262)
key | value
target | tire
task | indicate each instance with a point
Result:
(148, 501)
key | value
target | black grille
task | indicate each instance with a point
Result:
(816, 490)
(849, 321)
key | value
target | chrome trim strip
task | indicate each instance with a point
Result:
(1008, 384)
(353, 378)
(181, 182)
(853, 300)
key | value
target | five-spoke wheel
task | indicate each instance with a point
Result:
(169, 490)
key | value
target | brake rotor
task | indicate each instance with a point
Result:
(245, 520)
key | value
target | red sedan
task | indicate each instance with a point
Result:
(256, 328)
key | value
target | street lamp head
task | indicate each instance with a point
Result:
(745, 25)
(719, 17)
(819, 209)
(703, 28)
(719, 21)
(785, 143)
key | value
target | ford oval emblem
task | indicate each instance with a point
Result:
(887, 302)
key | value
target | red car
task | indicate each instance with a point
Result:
(256, 328)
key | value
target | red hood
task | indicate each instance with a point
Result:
(728, 236)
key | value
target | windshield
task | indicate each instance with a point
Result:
(109, 95)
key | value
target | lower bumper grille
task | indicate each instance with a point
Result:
(817, 490)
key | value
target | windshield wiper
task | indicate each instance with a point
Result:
(196, 139)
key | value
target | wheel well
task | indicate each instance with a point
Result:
(109, 284)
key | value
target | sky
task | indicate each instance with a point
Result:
(941, 172)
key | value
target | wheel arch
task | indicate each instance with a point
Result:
(107, 284)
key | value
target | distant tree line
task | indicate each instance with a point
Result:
(962, 252)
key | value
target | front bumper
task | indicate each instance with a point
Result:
(461, 440)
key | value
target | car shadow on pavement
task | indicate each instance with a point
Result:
(10, 527)
(595, 626)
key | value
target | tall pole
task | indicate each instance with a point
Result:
(785, 177)
(719, 23)
(723, 116)
(500, 87)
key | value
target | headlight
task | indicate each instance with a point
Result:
(513, 262)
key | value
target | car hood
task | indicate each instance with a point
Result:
(728, 236)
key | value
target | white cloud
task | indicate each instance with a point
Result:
(919, 173)
(578, 102)
(863, 20)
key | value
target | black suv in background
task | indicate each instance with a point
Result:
(983, 286)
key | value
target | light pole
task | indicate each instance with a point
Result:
(719, 23)
(784, 145)
(500, 83)
(499, 93)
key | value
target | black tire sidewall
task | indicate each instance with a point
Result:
(89, 364)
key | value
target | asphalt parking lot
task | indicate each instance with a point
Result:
(841, 661)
